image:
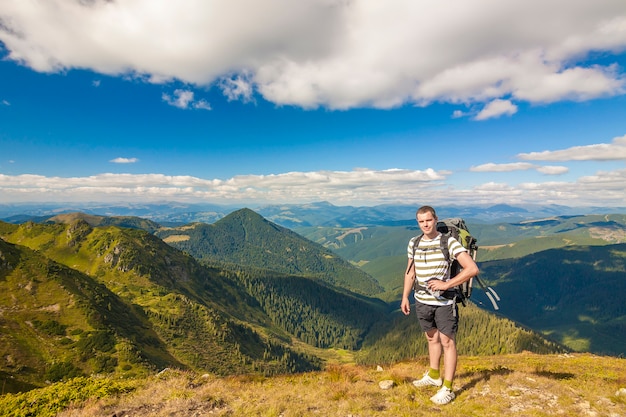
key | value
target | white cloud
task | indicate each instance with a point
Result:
(180, 98)
(5, 103)
(491, 167)
(184, 99)
(238, 88)
(124, 160)
(334, 53)
(552, 170)
(360, 186)
(202, 104)
(519, 166)
(616, 150)
(602, 189)
(496, 108)
(573, 83)
(458, 114)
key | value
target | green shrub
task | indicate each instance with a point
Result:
(105, 364)
(98, 341)
(49, 401)
(62, 371)
(50, 327)
(66, 341)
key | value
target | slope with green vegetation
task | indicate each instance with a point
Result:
(57, 323)
(101, 221)
(607, 227)
(246, 239)
(573, 295)
(128, 295)
(316, 313)
(399, 338)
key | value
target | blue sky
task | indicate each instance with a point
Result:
(355, 103)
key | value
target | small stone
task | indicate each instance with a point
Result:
(386, 384)
(379, 368)
(621, 392)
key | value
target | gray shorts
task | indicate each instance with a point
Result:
(443, 318)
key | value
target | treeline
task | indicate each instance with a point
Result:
(400, 338)
(312, 311)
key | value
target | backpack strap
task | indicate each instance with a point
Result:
(443, 243)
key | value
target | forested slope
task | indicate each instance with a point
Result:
(573, 294)
(245, 238)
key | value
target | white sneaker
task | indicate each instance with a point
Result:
(443, 396)
(427, 380)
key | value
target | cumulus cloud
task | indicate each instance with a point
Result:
(360, 186)
(616, 150)
(491, 167)
(606, 188)
(333, 53)
(553, 170)
(124, 160)
(519, 166)
(184, 99)
(458, 114)
(238, 88)
(496, 108)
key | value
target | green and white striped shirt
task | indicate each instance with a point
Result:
(430, 262)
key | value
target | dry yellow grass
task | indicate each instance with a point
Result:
(176, 238)
(511, 385)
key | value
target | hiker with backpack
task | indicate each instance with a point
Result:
(428, 273)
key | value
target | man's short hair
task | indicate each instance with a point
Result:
(426, 209)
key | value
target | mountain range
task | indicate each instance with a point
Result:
(297, 215)
(83, 294)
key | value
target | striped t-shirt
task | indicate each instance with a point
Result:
(430, 262)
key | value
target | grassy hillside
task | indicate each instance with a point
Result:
(572, 294)
(246, 239)
(500, 385)
(95, 221)
(608, 227)
(127, 294)
(57, 322)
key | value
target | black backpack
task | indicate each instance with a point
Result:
(457, 228)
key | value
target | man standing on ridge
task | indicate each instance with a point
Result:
(437, 312)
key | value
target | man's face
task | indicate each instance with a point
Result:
(428, 223)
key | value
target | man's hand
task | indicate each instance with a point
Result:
(405, 306)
